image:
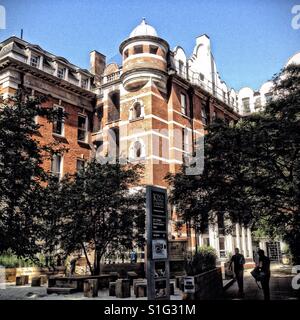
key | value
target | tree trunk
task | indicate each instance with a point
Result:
(97, 263)
(87, 259)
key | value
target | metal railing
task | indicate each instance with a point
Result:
(199, 80)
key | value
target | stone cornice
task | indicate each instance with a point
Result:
(24, 67)
(143, 38)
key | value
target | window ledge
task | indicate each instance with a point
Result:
(59, 136)
(112, 121)
(95, 133)
(136, 119)
(185, 116)
(83, 144)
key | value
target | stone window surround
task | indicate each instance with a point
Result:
(131, 110)
(132, 150)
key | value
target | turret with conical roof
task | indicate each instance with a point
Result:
(144, 57)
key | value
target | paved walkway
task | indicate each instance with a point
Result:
(13, 292)
(280, 289)
(280, 286)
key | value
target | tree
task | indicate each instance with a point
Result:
(251, 172)
(99, 208)
(21, 172)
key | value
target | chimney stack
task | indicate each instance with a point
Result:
(97, 63)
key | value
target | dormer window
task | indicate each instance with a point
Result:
(84, 83)
(138, 49)
(224, 95)
(61, 72)
(181, 67)
(246, 105)
(35, 61)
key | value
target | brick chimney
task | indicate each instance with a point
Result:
(97, 63)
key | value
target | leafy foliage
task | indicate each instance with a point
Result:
(21, 172)
(95, 210)
(252, 169)
(203, 260)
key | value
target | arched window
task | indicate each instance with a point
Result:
(137, 150)
(136, 111)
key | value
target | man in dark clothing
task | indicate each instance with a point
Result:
(238, 260)
(264, 267)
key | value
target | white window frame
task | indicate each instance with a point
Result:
(58, 173)
(132, 155)
(62, 134)
(204, 116)
(132, 111)
(86, 127)
(80, 160)
(63, 74)
(183, 103)
(35, 60)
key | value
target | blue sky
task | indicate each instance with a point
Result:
(251, 40)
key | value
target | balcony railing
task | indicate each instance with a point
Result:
(112, 77)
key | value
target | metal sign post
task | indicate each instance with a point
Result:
(158, 279)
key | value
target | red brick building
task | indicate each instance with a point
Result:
(157, 104)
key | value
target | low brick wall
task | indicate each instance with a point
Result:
(12, 273)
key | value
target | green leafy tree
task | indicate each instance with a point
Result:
(251, 172)
(100, 210)
(21, 172)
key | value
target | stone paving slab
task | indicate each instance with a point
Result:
(280, 286)
(13, 292)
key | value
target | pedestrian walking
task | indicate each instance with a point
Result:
(264, 268)
(238, 261)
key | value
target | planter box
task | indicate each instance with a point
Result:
(205, 286)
